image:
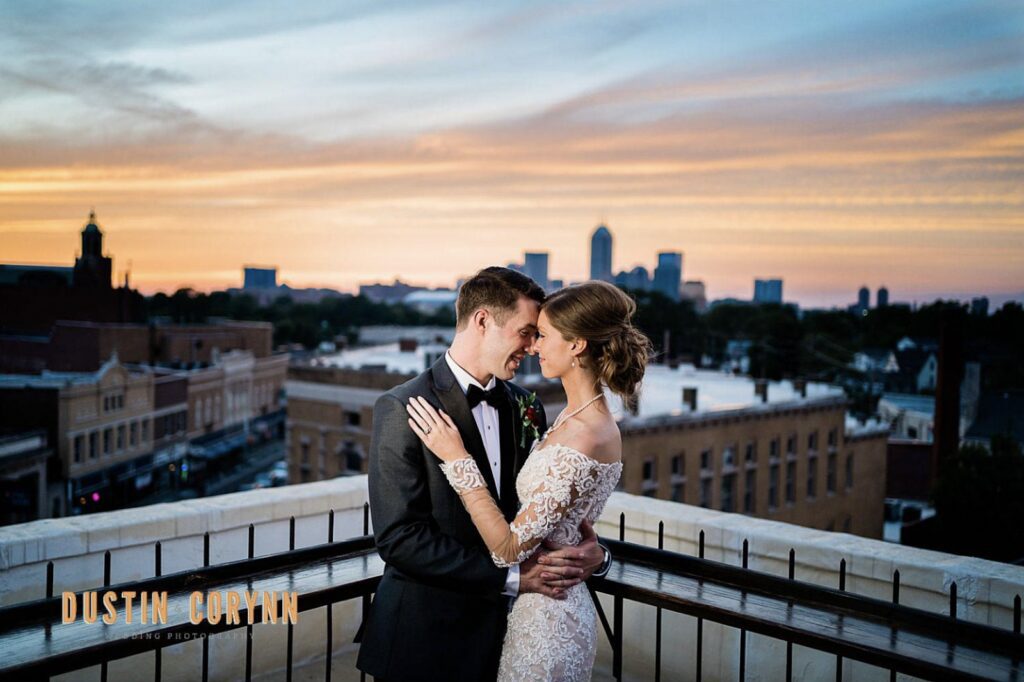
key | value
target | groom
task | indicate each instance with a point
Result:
(440, 609)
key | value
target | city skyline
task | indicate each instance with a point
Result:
(857, 144)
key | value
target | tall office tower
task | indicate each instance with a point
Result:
(259, 278)
(601, 254)
(669, 274)
(883, 297)
(536, 268)
(767, 291)
(864, 298)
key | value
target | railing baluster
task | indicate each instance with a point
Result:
(952, 600)
(159, 651)
(206, 639)
(895, 600)
(842, 588)
(700, 621)
(49, 591)
(366, 597)
(330, 608)
(743, 632)
(657, 621)
(789, 645)
(1016, 612)
(248, 628)
(291, 626)
(617, 615)
(106, 583)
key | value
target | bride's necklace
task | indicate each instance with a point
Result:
(564, 418)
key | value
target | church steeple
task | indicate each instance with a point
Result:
(91, 268)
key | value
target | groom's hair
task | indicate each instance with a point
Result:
(497, 289)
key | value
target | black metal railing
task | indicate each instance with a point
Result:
(35, 645)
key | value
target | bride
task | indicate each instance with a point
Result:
(586, 339)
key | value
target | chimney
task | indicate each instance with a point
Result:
(800, 386)
(690, 398)
(761, 389)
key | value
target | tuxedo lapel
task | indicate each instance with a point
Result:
(453, 400)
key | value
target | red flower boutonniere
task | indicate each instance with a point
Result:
(529, 417)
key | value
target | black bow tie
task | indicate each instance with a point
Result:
(495, 397)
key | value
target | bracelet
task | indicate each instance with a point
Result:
(605, 565)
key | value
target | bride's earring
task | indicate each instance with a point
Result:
(574, 363)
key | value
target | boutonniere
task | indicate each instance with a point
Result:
(529, 417)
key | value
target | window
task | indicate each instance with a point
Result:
(705, 492)
(93, 447)
(812, 441)
(750, 454)
(305, 451)
(79, 446)
(353, 418)
(750, 492)
(773, 487)
(650, 483)
(846, 524)
(145, 430)
(729, 457)
(133, 434)
(849, 471)
(791, 446)
(728, 488)
(678, 492)
(790, 482)
(773, 448)
(812, 477)
(705, 460)
(120, 437)
(678, 466)
(830, 474)
(833, 438)
(107, 440)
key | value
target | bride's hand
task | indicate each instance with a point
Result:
(436, 429)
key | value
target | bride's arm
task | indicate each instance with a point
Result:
(539, 513)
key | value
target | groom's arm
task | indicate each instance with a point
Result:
(407, 536)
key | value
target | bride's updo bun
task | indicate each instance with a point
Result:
(602, 314)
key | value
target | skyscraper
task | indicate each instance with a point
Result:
(883, 297)
(259, 278)
(601, 254)
(767, 291)
(536, 268)
(669, 274)
(864, 298)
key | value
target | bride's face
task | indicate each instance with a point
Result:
(554, 352)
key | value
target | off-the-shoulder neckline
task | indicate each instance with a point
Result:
(578, 452)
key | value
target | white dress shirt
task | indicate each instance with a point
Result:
(486, 418)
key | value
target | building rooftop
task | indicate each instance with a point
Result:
(925, 404)
(388, 356)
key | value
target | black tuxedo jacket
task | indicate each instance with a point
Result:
(439, 612)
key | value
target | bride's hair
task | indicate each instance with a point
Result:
(601, 313)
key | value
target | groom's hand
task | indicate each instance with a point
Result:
(583, 559)
(547, 580)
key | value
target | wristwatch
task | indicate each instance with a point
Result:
(605, 565)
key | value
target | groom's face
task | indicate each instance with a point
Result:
(504, 346)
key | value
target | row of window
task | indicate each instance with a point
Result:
(113, 402)
(749, 502)
(110, 440)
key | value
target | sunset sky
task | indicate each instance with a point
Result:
(830, 144)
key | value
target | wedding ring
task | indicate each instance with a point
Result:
(426, 430)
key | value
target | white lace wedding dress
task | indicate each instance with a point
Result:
(558, 487)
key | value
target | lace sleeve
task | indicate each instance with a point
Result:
(539, 512)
